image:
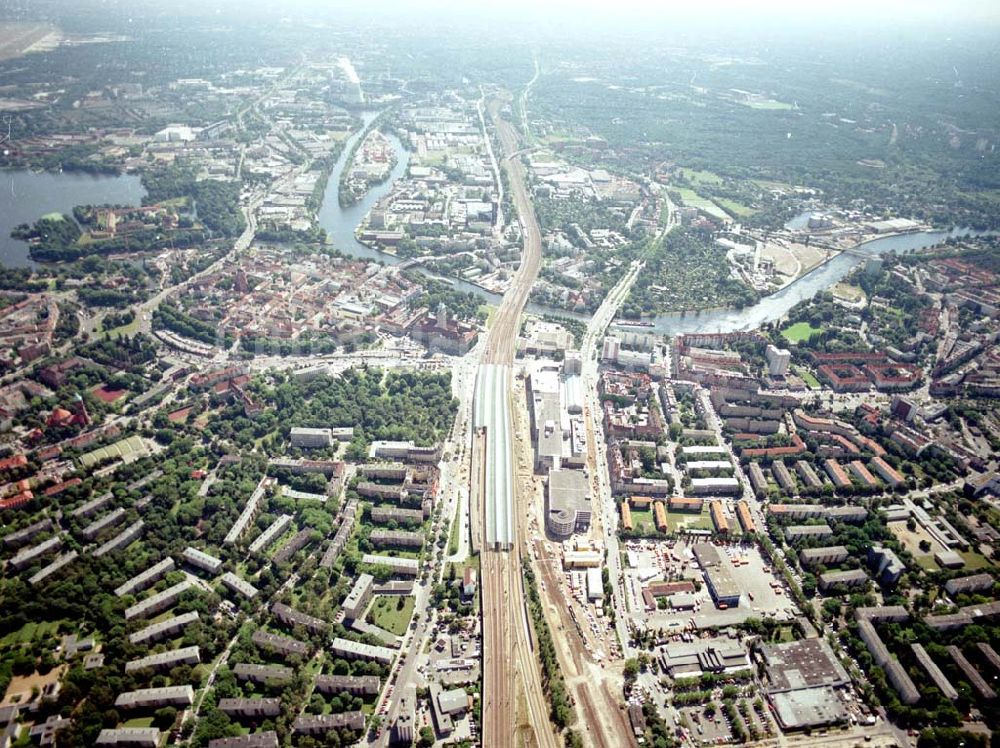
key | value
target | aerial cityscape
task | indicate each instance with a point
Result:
(515, 377)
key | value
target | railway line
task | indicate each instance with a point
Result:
(514, 704)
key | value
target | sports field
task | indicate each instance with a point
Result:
(128, 449)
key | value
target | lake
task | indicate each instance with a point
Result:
(25, 196)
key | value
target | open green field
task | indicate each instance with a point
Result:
(800, 331)
(693, 200)
(809, 378)
(680, 521)
(138, 722)
(737, 209)
(126, 449)
(386, 614)
(701, 177)
(29, 632)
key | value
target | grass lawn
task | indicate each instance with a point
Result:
(642, 521)
(678, 521)
(694, 200)
(737, 209)
(975, 561)
(809, 378)
(29, 632)
(800, 331)
(128, 330)
(386, 614)
(453, 536)
(139, 722)
(701, 177)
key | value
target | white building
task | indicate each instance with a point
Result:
(777, 360)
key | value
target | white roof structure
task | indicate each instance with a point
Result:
(492, 412)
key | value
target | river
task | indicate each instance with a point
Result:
(340, 223)
(775, 306)
(28, 195)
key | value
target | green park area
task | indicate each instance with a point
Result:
(800, 331)
(392, 613)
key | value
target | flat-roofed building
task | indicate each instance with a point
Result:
(794, 533)
(238, 585)
(709, 486)
(888, 567)
(309, 438)
(356, 685)
(272, 533)
(109, 520)
(158, 602)
(93, 506)
(291, 617)
(399, 565)
(130, 737)
(26, 557)
(969, 584)
(121, 540)
(568, 502)
(201, 560)
(848, 513)
(268, 739)
(725, 592)
(60, 561)
(165, 660)
(882, 614)
(319, 724)
(154, 698)
(757, 480)
(358, 598)
(247, 515)
(352, 650)
(833, 554)
(971, 674)
(784, 478)
(694, 658)
(894, 671)
(850, 578)
(382, 515)
(581, 559)
(263, 674)
(243, 708)
(27, 534)
(285, 645)
(163, 629)
(396, 538)
(146, 578)
(808, 474)
(943, 684)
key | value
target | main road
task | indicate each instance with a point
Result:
(514, 704)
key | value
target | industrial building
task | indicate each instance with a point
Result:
(802, 681)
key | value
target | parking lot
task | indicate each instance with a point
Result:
(763, 594)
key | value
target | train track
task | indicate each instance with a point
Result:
(510, 671)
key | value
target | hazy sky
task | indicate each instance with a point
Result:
(863, 12)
